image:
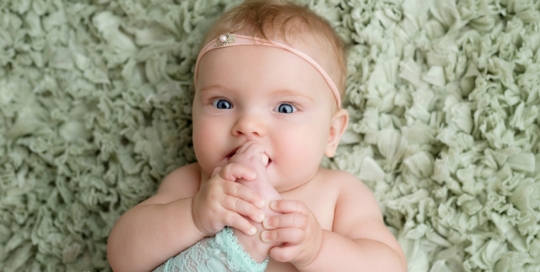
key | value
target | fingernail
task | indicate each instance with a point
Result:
(273, 205)
(261, 203)
(252, 231)
(266, 223)
(265, 236)
(260, 217)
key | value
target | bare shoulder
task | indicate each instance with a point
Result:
(355, 204)
(349, 187)
(352, 200)
(358, 214)
(352, 189)
(181, 183)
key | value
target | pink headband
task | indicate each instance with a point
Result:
(228, 39)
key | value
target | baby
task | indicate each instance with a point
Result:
(267, 108)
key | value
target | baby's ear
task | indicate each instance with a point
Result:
(339, 123)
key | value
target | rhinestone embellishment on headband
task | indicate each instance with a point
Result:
(225, 39)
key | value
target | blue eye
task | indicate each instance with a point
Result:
(285, 108)
(222, 104)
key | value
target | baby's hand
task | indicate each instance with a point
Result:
(297, 229)
(223, 202)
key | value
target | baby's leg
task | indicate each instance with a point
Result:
(221, 253)
(252, 155)
(228, 250)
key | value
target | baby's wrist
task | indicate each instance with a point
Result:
(197, 231)
(308, 263)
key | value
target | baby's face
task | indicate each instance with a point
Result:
(267, 95)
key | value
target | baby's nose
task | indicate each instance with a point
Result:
(249, 125)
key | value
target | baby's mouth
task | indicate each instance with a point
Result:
(265, 159)
(229, 156)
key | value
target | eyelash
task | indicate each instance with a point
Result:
(217, 100)
(292, 104)
(213, 102)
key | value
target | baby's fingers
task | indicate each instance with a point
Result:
(245, 193)
(284, 254)
(297, 246)
(244, 208)
(234, 171)
(236, 221)
(288, 220)
(289, 206)
(280, 236)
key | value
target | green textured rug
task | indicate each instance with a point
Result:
(443, 94)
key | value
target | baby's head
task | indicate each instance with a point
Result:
(270, 72)
(292, 25)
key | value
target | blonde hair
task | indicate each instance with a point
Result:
(261, 18)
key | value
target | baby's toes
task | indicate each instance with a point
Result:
(244, 147)
(251, 147)
(264, 159)
(250, 152)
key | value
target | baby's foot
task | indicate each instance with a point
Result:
(252, 155)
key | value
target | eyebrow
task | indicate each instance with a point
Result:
(279, 92)
(287, 92)
(213, 86)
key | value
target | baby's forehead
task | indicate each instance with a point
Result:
(319, 49)
(315, 50)
(315, 45)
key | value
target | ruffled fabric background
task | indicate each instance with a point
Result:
(443, 96)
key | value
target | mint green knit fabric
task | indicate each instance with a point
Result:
(443, 96)
(221, 253)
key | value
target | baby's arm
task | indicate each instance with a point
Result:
(232, 250)
(359, 237)
(159, 227)
(179, 215)
(359, 240)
